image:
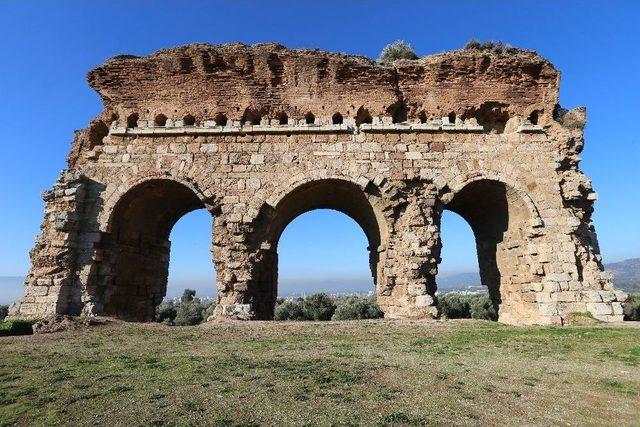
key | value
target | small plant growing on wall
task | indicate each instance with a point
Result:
(397, 50)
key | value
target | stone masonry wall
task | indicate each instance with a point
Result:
(258, 135)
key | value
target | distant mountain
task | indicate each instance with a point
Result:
(458, 280)
(626, 274)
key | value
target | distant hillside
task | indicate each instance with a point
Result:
(458, 281)
(626, 274)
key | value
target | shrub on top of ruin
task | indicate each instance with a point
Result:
(4, 311)
(487, 45)
(473, 44)
(500, 47)
(490, 45)
(318, 307)
(357, 307)
(397, 50)
(570, 119)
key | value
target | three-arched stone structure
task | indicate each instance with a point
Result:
(258, 135)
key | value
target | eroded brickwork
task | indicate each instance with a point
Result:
(258, 135)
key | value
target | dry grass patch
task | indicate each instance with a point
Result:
(318, 373)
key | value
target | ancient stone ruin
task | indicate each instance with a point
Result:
(258, 135)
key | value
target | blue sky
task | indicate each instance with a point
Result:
(48, 47)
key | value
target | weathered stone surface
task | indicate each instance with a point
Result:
(259, 134)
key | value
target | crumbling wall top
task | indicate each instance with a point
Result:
(269, 80)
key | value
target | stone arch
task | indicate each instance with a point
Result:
(460, 181)
(501, 219)
(339, 194)
(114, 194)
(133, 276)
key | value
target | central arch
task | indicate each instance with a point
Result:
(138, 245)
(336, 194)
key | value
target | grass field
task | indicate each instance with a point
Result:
(322, 373)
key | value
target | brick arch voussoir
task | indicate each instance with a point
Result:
(115, 195)
(267, 199)
(459, 180)
(271, 196)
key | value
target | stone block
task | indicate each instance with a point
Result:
(424, 300)
(607, 296)
(620, 295)
(567, 296)
(257, 159)
(558, 277)
(548, 309)
(416, 289)
(617, 309)
(599, 309)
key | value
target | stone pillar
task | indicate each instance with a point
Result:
(50, 281)
(246, 267)
(412, 257)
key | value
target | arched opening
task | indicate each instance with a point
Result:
(309, 118)
(97, 132)
(533, 117)
(337, 119)
(422, 117)
(189, 120)
(190, 265)
(251, 117)
(363, 116)
(498, 217)
(138, 243)
(283, 119)
(458, 270)
(334, 194)
(160, 120)
(398, 112)
(132, 121)
(452, 118)
(492, 116)
(323, 251)
(220, 119)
